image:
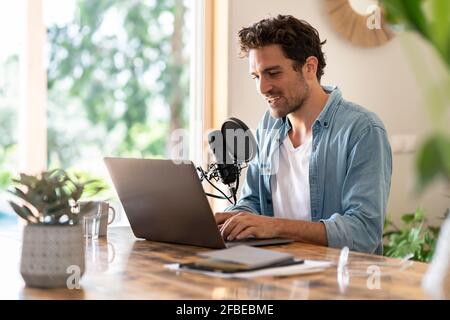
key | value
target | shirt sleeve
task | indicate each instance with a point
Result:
(364, 195)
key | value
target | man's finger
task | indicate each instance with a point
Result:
(246, 233)
(230, 224)
(224, 231)
(241, 225)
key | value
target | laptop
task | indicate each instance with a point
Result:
(165, 202)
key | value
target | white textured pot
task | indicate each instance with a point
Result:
(50, 254)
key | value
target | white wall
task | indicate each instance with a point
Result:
(380, 79)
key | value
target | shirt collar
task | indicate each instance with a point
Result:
(334, 98)
(327, 113)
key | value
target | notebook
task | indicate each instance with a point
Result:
(242, 258)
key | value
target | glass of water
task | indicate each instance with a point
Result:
(91, 226)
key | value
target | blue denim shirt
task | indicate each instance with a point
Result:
(349, 173)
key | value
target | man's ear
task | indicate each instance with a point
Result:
(310, 68)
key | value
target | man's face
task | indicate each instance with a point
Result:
(284, 89)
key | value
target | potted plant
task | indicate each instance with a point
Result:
(415, 236)
(53, 245)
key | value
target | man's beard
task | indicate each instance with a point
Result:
(294, 105)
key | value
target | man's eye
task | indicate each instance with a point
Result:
(272, 74)
(255, 77)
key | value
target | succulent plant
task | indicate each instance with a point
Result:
(49, 198)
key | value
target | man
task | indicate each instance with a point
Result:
(323, 170)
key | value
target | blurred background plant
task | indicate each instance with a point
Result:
(430, 19)
(413, 236)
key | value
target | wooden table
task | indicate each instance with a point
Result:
(123, 267)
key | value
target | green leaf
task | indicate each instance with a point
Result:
(433, 160)
(408, 218)
(440, 27)
(413, 235)
(419, 215)
(409, 12)
(24, 212)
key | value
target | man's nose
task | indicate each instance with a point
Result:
(264, 86)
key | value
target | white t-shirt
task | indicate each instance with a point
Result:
(290, 185)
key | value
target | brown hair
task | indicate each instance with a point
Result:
(298, 39)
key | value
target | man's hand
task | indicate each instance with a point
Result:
(241, 225)
(221, 217)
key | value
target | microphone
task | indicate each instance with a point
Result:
(232, 147)
(226, 168)
(240, 143)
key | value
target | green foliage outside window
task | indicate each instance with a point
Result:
(8, 119)
(117, 79)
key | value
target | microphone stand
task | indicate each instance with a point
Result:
(213, 174)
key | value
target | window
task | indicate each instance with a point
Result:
(118, 79)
